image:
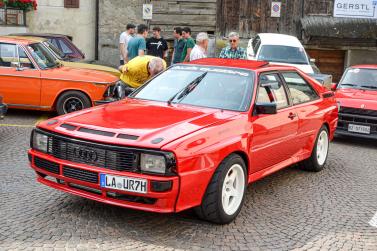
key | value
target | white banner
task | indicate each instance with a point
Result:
(355, 8)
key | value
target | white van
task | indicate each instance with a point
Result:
(279, 49)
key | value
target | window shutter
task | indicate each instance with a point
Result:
(71, 3)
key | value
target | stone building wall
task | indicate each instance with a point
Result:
(52, 17)
(113, 18)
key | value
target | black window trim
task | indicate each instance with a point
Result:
(290, 95)
(287, 93)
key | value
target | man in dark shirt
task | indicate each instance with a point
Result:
(179, 45)
(157, 45)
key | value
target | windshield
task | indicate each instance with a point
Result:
(44, 58)
(221, 88)
(58, 53)
(359, 78)
(283, 54)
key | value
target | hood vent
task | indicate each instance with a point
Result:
(127, 136)
(68, 127)
(97, 132)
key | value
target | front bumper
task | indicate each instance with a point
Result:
(3, 110)
(52, 169)
(103, 102)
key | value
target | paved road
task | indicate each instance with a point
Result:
(290, 210)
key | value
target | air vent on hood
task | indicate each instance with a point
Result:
(68, 127)
(97, 132)
(127, 136)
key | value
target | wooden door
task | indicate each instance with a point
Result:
(329, 61)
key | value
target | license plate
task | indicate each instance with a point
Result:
(123, 183)
(359, 129)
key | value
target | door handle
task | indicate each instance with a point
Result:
(292, 115)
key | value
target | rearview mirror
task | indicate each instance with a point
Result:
(265, 108)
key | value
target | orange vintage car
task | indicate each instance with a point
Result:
(32, 78)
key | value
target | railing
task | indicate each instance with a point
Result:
(13, 17)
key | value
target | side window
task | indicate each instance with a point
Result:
(8, 54)
(54, 42)
(300, 90)
(64, 46)
(271, 90)
(24, 59)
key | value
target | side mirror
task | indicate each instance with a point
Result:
(333, 86)
(312, 60)
(265, 108)
(15, 65)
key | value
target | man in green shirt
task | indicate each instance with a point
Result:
(190, 43)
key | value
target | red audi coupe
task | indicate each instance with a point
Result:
(192, 137)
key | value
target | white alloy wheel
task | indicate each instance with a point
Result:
(233, 189)
(322, 147)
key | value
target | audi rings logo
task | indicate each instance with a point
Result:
(85, 154)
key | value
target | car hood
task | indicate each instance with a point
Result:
(79, 74)
(78, 65)
(356, 98)
(145, 123)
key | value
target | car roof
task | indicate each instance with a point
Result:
(365, 66)
(279, 39)
(40, 35)
(16, 40)
(34, 39)
(234, 63)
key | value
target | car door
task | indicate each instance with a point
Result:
(20, 81)
(308, 107)
(273, 136)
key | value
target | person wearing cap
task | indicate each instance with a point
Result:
(200, 49)
(123, 42)
(157, 45)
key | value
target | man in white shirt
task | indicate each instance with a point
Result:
(200, 49)
(124, 38)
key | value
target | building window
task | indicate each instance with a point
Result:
(9, 16)
(71, 3)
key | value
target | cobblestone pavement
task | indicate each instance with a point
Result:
(290, 210)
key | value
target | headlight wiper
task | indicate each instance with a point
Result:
(188, 88)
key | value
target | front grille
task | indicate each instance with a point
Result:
(93, 154)
(80, 174)
(358, 111)
(348, 115)
(46, 165)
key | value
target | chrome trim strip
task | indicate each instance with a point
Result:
(29, 106)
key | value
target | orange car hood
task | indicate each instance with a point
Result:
(76, 74)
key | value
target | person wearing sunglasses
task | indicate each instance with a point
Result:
(233, 50)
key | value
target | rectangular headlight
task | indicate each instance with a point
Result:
(40, 142)
(152, 163)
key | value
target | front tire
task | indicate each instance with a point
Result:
(72, 101)
(225, 194)
(318, 158)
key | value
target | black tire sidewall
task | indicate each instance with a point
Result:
(225, 218)
(76, 94)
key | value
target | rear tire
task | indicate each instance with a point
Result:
(317, 160)
(225, 194)
(72, 101)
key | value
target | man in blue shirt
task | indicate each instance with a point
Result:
(137, 45)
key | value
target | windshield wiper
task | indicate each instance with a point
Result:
(369, 86)
(188, 88)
